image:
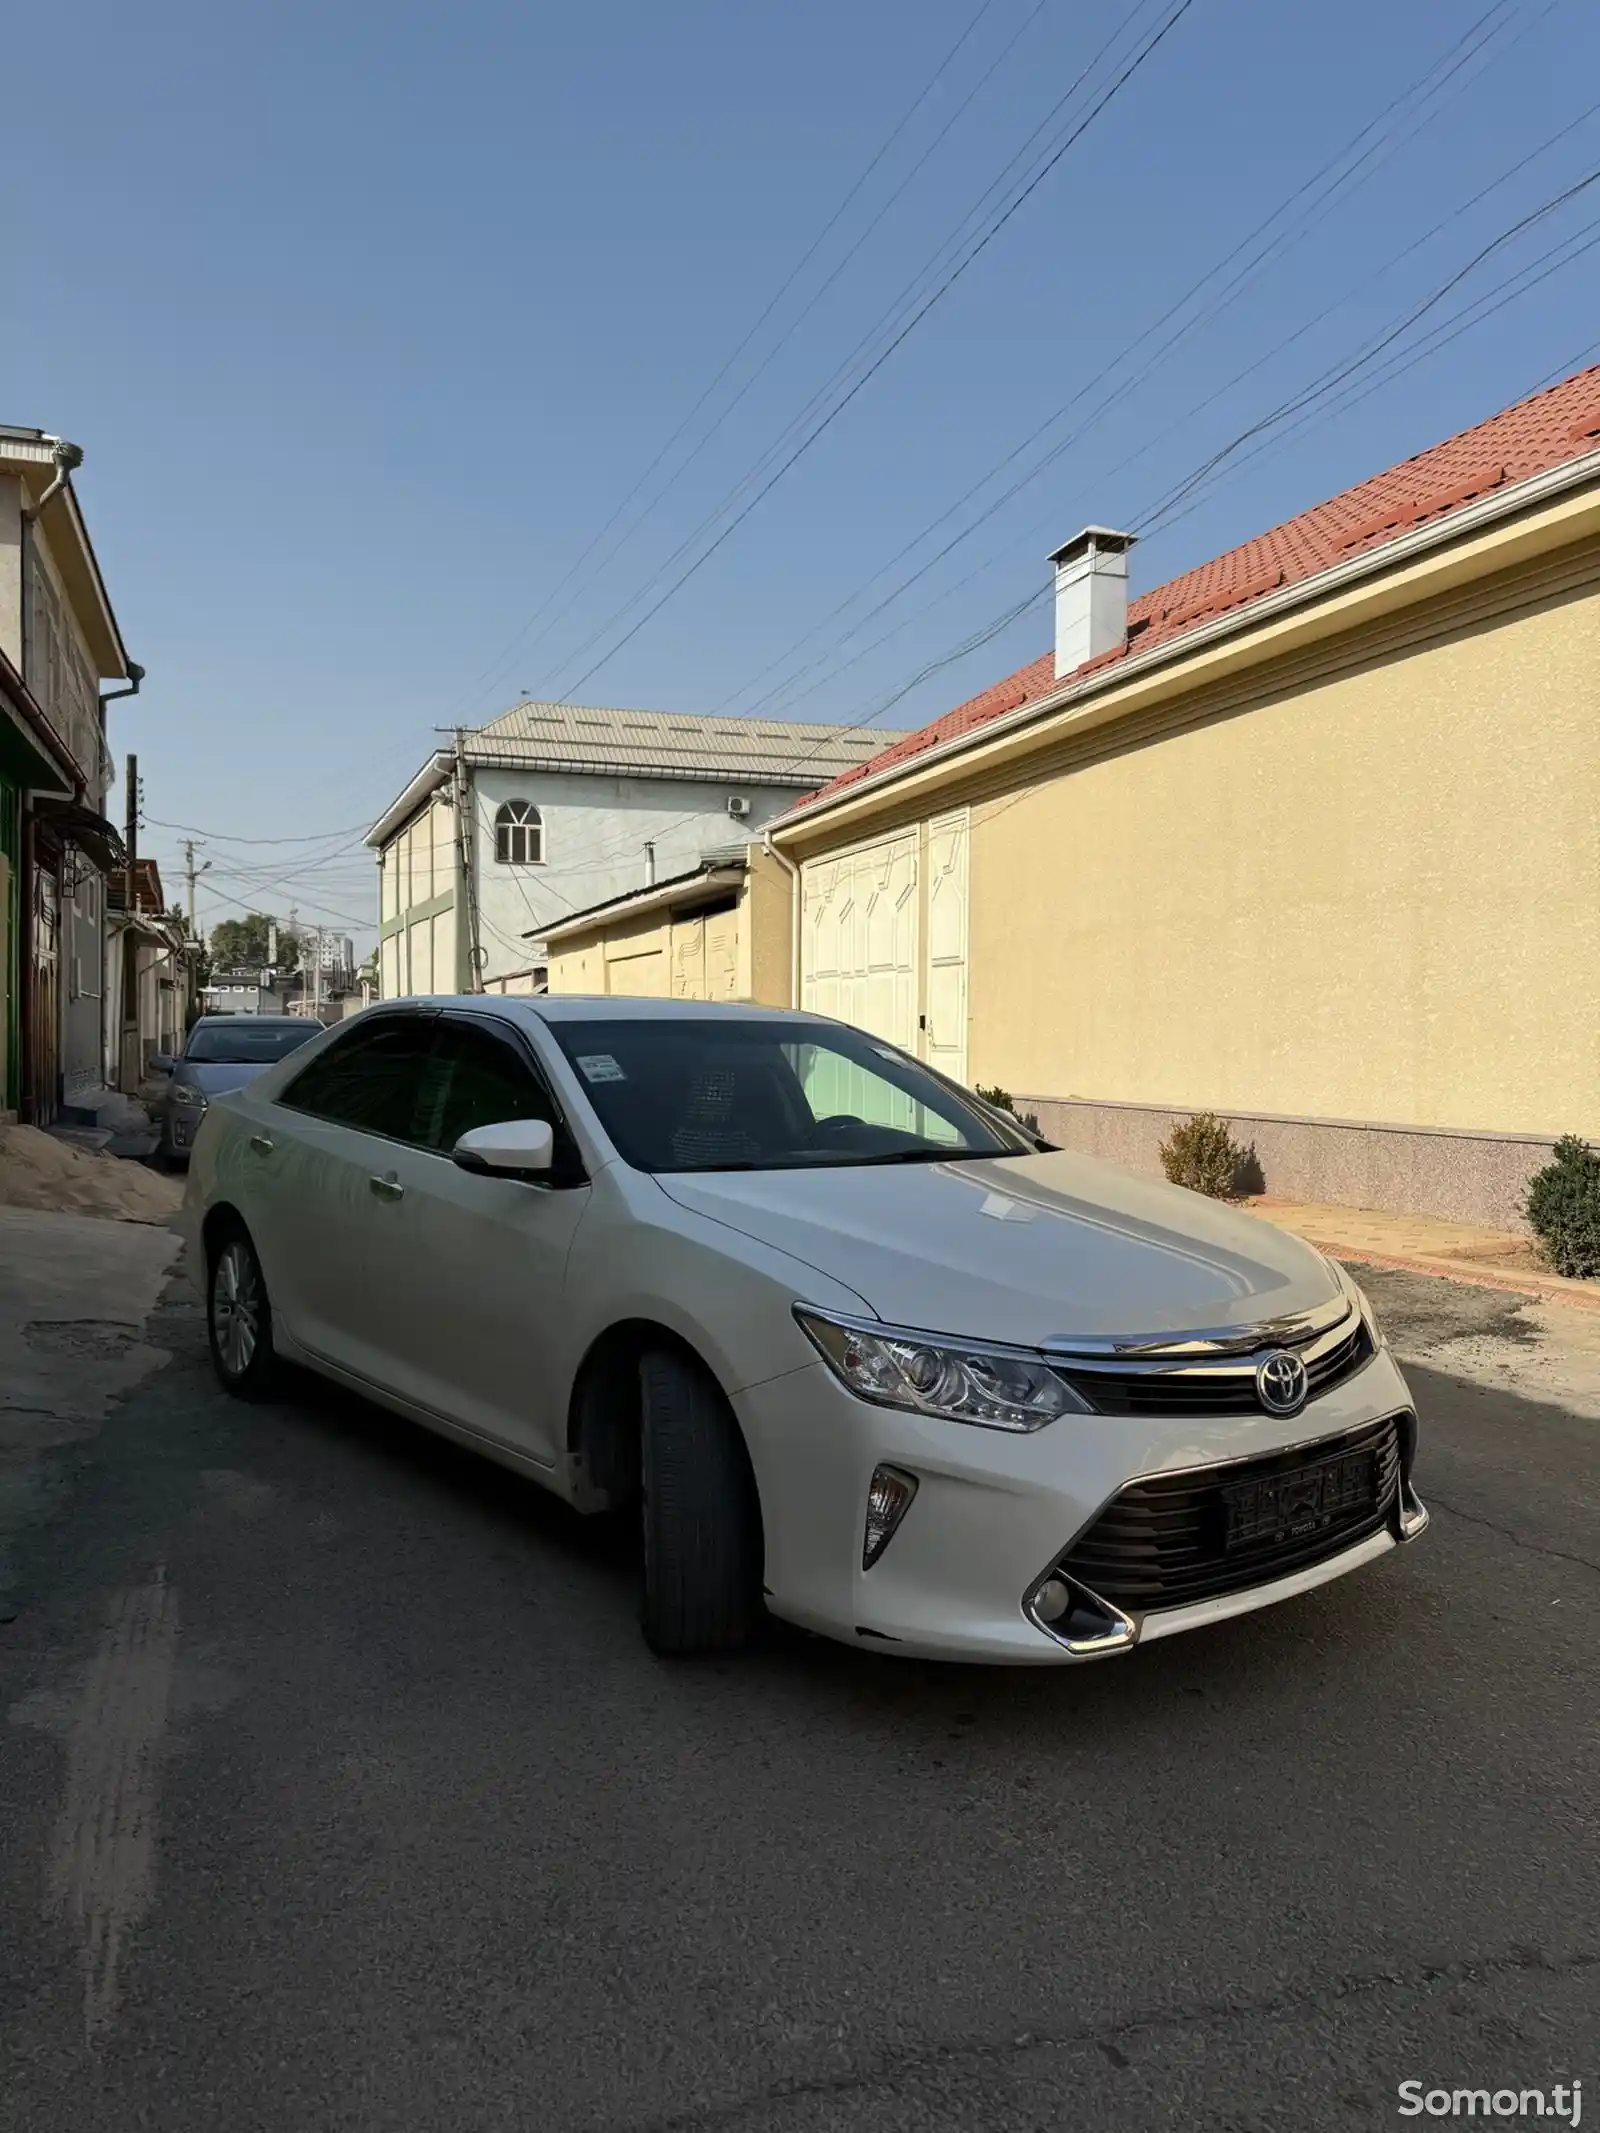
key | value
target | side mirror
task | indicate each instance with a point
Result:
(520, 1148)
(162, 1062)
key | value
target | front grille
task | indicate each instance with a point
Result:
(1164, 1542)
(1212, 1389)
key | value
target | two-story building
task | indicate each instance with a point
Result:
(60, 641)
(554, 808)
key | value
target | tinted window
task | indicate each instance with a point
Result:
(241, 1041)
(475, 1078)
(370, 1079)
(771, 1095)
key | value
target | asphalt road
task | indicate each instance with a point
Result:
(339, 1792)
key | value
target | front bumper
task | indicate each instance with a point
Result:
(994, 1514)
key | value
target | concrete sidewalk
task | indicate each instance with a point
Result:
(1456, 1251)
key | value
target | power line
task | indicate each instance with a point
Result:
(1332, 377)
(312, 837)
(974, 249)
(1457, 57)
(843, 373)
(1450, 329)
(1146, 445)
(498, 663)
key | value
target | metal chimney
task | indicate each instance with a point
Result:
(1091, 596)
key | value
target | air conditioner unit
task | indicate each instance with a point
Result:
(738, 806)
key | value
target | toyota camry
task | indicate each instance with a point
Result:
(854, 1347)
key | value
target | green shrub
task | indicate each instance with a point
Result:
(1203, 1155)
(1001, 1100)
(1563, 1208)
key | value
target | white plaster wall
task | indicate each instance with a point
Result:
(596, 830)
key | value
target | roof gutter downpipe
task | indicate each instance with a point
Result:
(135, 676)
(67, 458)
(793, 873)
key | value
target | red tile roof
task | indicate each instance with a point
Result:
(1560, 423)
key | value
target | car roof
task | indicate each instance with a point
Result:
(601, 1007)
(272, 1021)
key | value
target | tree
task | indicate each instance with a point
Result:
(241, 944)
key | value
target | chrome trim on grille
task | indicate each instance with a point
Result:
(1194, 1382)
(1131, 1350)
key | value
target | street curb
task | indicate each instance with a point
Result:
(1547, 1288)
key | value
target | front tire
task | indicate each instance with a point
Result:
(239, 1319)
(700, 1516)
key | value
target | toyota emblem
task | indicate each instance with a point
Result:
(1281, 1383)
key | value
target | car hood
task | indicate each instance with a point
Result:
(1025, 1249)
(215, 1076)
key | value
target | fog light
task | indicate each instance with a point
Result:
(1052, 1600)
(888, 1501)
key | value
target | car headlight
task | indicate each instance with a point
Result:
(960, 1381)
(188, 1098)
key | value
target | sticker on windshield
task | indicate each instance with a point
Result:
(600, 1066)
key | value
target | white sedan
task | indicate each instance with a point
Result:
(859, 1349)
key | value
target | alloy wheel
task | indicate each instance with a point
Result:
(236, 1307)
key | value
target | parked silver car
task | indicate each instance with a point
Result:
(222, 1052)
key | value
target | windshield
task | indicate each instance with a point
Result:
(242, 1042)
(771, 1095)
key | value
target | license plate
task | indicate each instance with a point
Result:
(1305, 1500)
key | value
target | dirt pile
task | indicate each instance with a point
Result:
(40, 1172)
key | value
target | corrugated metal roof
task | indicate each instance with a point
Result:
(765, 751)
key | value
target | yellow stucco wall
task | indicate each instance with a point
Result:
(748, 960)
(1373, 894)
(766, 935)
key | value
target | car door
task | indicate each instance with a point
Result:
(478, 1324)
(323, 1165)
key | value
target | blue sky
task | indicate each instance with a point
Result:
(369, 317)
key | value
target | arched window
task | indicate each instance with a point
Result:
(519, 834)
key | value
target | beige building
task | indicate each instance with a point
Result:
(720, 932)
(1309, 837)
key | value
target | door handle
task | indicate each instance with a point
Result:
(261, 1143)
(386, 1188)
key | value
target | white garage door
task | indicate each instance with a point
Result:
(859, 938)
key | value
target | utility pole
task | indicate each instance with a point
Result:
(133, 825)
(469, 887)
(191, 874)
(125, 1070)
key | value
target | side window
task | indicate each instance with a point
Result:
(519, 834)
(475, 1078)
(369, 1080)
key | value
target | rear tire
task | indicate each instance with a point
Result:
(700, 1516)
(239, 1319)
